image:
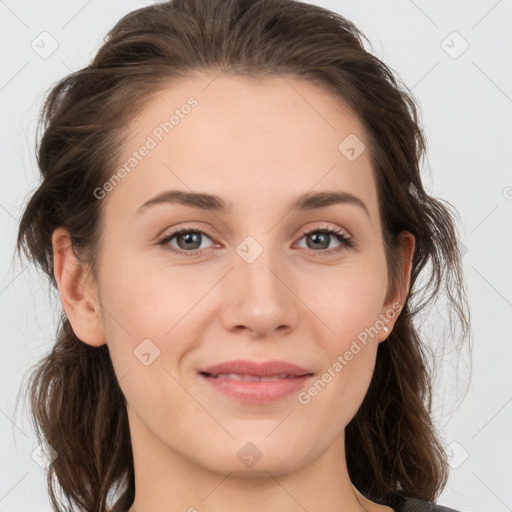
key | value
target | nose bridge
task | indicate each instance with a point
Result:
(259, 265)
(262, 296)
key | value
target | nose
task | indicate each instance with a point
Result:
(259, 295)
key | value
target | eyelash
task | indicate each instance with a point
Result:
(346, 242)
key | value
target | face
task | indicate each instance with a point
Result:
(244, 282)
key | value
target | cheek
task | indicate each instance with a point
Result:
(345, 379)
(150, 310)
(350, 304)
(351, 298)
(145, 337)
(148, 300)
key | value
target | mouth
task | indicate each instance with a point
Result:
(257, 383)
(251, 378)
(244, 367)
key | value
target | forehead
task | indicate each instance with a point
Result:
(243, 106)
(236, 136)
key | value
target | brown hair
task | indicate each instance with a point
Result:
(77, 405)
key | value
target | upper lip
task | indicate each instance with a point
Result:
(264, 369)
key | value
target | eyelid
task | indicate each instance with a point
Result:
(325, 226)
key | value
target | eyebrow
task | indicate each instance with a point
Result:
(307, 201)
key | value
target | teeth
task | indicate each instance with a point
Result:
(236, 376)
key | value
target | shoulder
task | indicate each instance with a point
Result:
(415, 505)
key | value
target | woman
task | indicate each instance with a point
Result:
(274, 364)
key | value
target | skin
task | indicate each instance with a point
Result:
(258, 144)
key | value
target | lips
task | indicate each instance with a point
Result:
(256, 383)
(249, 378)
(247, 369)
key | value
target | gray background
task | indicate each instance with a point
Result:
(465, 102)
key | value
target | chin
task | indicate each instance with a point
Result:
(264, 462)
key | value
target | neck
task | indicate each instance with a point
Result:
(166, 480)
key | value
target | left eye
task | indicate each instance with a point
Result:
(189, 240)
(320, 236)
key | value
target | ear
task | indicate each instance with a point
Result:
(392, 308)
(78, 291)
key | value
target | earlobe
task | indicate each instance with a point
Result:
(392, 310)
(78, 292)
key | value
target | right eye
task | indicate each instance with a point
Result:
(184, 236)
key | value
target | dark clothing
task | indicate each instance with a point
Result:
(414, 505)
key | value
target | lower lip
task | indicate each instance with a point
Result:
(257, 391)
